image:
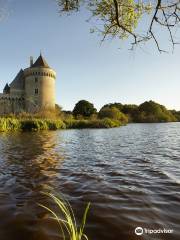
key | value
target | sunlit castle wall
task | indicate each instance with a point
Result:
(39, 88)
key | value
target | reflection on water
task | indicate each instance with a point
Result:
(131, 175)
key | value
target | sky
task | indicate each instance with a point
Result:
(86, 69)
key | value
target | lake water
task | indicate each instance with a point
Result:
(131, 176)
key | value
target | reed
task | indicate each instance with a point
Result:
(41, 124)
(9, 124)
(66, 219)
(30, 124)
(97, 123)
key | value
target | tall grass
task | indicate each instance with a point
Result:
(37, 124)
(97, 123)
(9, 124)
(66, 218)
(30, 124)
(41, 124)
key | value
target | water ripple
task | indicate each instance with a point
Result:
(131, 175)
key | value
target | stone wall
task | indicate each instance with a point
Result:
(10, 104)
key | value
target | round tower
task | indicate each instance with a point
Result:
(39, 86)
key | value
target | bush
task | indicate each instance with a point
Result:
(112, 113)
(104, 123)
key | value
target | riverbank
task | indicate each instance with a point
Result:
(39, 124)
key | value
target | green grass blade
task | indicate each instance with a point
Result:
(84, 221)
(68, 222)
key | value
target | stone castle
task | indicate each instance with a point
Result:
(32, 90)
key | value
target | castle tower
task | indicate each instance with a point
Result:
(39, 86)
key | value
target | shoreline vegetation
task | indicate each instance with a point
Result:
(84, 115)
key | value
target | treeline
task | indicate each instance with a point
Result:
(147, 112)
(85, 115)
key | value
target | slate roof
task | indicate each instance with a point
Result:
(41, 62)
(18, 82)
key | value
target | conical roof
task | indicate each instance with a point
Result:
(41, 62)
(6, 88)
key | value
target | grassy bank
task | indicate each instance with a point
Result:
(38, 124)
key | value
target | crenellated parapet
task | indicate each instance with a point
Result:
(37, 72)
(11, 104)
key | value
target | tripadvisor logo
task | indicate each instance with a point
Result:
(140, 231)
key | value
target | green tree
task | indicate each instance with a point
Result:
(119, 106)
(176, 114)
(112, 113)
(120, 18)
(154, 112)
(84, 108)
(130, 110)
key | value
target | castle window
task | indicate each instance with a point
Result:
(36, 91)
(36, 80)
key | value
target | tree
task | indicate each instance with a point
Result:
(112, 113)
(146, 112)
(176, 114)
(131, 110)
(120, 18)
(154, 112)
(84, 108)
(119, 106)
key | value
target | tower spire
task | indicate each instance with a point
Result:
(31, 61)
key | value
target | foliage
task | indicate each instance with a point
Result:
(112, 113)
(58, 110)
(9, 124)
(41, 124)
(66, 219)
(84, 108)
(130, 110)
(137, 20)
(120, 18)
(42, 114)
(98, 123)
(176, 114)
(34, 124)
(119, 106)
(146, 112)
(154, 112)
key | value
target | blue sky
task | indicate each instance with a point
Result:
(85, 70)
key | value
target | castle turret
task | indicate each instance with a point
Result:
(39, 86)
(6, 89)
